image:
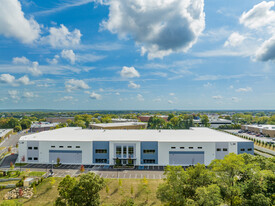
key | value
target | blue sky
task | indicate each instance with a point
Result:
(135, 54)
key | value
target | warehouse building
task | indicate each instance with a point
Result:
(140, 147)
(267, 130)
(121, 125)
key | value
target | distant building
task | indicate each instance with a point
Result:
(78, 146)
(124, 120)
(5, 132)
(42, 126)
(58, 119)
(146, 118)
(267, 130)
(121, 125)
(215, 123)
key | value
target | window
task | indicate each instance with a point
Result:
(199, 147)
(101, 151)
(242, 149)
(173, 147)
(35, 148)
(149, 151)
(249, 149)
(124, 151)
(181, 147)
(35, 158)
(60, 146)
(219, 149)
(29, 158)
(52, 146)
(224, 149)
(118, 150)
(149, 161)
(29, 147)
(130, 150)
(100, 160)
(69, 146)
(190, 147)
(77, 146)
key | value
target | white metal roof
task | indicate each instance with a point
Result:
(264, 126)
(118, 124)
(78, 134)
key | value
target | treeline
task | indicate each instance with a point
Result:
(15, 124)
(177, 122)
(236, 180)
(243, 180)
(241, 118)
(230, 126)
(84, 120)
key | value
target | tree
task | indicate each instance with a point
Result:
(205, 121)
(65, 189)
(25, 123)
(58, 161)
(208, 196)
(228, 170)
(156, 123)
(86, 191)
(82, 169)
(170, 116)
(259, 200)
(17, 128)
(107, 189)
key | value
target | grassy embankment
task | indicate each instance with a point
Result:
(47, 193)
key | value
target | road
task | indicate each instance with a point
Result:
(11, 142)
(262, 154)
(269, 151)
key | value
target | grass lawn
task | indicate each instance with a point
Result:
(47, 193)
(36, 174)
(117, 195)
(13, 182)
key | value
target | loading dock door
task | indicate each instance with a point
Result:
(66, 157)
(186, 158)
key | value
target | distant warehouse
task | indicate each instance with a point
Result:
(138, 147)
(268, 130)
(121, 125)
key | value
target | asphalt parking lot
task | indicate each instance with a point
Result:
(112, 174)
(93, 167)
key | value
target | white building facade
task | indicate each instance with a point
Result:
(138, 147)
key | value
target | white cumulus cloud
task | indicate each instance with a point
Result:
(10, 79)
(246, 89)
(140, 98)
(75, 84)
(62, 37)
(160, 27)
(68, 54)
(14, 94)
(54, 60)
(129, 72)
(235, 39)
(14, 24)
(34, 70)
(133, 85)
(95, 96)
(218, 97)
(259, 16)
(20, 60)
(267, 50)
(29, 95)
